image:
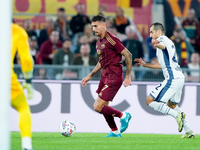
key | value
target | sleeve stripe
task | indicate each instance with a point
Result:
(110, 40)
(113, 43)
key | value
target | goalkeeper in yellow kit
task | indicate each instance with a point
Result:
(18, 100)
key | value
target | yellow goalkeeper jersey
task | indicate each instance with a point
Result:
(20, 44)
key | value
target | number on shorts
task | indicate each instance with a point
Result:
(106, 86)
(158, 86)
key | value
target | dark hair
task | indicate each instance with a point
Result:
(61, 9)
(158, 26)
(99, 18)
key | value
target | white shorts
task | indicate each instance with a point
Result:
(168, 90)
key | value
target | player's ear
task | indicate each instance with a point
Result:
(159, 32)
(104, 24)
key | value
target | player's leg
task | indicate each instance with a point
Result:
(111, 123)
(107, 93)
(108, 115)
(20, 104)
(102, 107)
(158, 97)
(109, 119)
(188, 131)
(172, 104)
(160, 106)
(18, 101)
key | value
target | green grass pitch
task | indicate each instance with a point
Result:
(95, 141)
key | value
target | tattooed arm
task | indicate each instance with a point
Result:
(95, 70)
(128, 60)
(91, 74)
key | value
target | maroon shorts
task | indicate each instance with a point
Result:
(108, 87)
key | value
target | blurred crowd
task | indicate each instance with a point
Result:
(72, 42)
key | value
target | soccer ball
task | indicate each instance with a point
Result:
(67, 128)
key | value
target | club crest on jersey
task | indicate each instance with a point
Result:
(102, 45)
(98, 52)
(173, 46)
(96, 46)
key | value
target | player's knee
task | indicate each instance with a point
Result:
(96, 107)
(171, 105)
(149, 100)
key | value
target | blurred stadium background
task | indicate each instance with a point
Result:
(141, 13)
(58, 94)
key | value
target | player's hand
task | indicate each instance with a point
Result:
(127, 80)
(85, 80)
(155, 42)
(29, 88)
(140, 61)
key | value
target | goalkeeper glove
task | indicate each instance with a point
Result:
(28, 84)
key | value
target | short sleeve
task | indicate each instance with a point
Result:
(118, 45)
(162, 40)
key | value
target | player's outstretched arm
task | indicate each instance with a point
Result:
(143, 64)
(158, 44)
(92, 73)
(128, 60)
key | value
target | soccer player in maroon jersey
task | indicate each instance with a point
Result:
(110, 50)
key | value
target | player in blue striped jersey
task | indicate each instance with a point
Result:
(165, 97)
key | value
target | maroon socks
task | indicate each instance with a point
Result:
(111, 111)
(111, 122)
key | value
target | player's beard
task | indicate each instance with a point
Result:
(155, 37)
(97, 33)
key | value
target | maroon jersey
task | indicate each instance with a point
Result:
(108, 51)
